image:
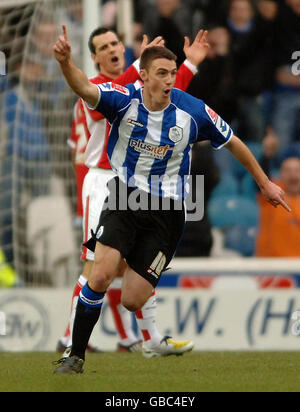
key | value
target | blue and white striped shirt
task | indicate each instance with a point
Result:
(152, 150)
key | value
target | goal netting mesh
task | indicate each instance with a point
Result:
(37, 186)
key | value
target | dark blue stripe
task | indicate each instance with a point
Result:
(159, 166)
(138, 133)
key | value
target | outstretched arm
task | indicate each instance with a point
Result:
(273, 193)
(76, 79)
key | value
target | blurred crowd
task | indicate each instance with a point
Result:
(251, 78)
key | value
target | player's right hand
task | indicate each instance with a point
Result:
(62, 48)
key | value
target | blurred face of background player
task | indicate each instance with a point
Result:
(294, 5)
(290, 175)
(109, 54)
(219, 40)
(167, 8)
(45, 37)
(159, 79)
(241, 12)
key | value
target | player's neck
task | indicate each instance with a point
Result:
(152, 104)
(111, 75)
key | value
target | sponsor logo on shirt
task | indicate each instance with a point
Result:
(158, 152)
(220, 124)
(213, 115)
(135, 123)
(111, 87)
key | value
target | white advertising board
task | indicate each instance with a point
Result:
(215, 319)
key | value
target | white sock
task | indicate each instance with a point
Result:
(122, 317)
(80, 283)
(146, 320)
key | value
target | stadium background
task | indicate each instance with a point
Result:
(229, 301)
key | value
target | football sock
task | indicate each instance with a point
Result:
(67, 338)
(146, 320)
(122, 317)
(87, 314)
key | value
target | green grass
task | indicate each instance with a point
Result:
(119, 372)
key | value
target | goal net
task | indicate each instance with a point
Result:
(37, 186)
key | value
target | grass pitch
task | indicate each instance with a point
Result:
(122, 372)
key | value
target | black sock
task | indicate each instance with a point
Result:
(84, 323)
(87, 314)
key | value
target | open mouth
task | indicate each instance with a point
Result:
(167, 92)
(115, 59)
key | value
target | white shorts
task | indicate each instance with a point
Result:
(94, 193)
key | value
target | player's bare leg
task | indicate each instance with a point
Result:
(136, 292)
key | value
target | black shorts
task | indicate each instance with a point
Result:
(147, 239)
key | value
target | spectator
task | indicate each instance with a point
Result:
(279, 231)
(251, 34)
(287, 93)
(26, 161)
(8, 277)
(214, 82)
(197, 240)
(172, 19)
(213, 10)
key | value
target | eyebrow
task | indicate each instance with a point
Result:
(104, 46)
(166, 70)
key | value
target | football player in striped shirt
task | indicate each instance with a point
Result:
(90, 131)
(153, 129)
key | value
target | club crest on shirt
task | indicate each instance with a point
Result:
(176, 134)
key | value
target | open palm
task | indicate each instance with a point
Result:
(197, 51)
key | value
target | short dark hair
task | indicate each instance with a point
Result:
(98, 32)
(153, 53)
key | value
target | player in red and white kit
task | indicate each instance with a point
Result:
(88, 141)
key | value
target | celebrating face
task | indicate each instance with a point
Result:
(109, 54)
(159, 79)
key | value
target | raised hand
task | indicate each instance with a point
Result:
(197, 51)
(158, 41)
(62, 48)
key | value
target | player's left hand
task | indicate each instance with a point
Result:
(274, 195)
(197, 51)
(158, 41)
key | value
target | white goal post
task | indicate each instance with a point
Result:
(36, 109)
(35, 121)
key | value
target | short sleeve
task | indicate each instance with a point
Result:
(212, 127)
(112, 99)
